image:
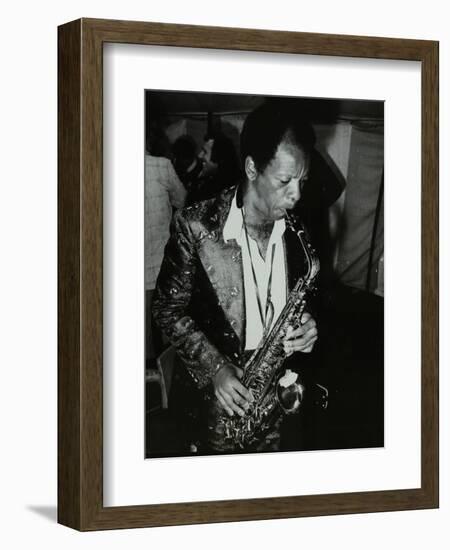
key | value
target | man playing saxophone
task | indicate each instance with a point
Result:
(229, 270)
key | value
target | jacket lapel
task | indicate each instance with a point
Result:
(222, 263)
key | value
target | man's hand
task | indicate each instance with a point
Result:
(232, 395)
(302, 338)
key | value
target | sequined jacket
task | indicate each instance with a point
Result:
(199, 296)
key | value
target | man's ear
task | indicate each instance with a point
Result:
(250, 169)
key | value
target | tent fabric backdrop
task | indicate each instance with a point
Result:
(363, 191)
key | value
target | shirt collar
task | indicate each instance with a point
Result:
(233, 227)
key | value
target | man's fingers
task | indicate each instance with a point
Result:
(232, 395)
(300, 342)
(308, 327)
(239, 372)
(241, 401)
(309, 334)
(228, 401)
(228, 398)
(306, 349)
(242, 390)
(305, 317)
(222, 401)
(290, 346)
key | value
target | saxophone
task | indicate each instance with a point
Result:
(274, 392)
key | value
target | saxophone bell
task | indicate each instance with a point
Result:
(290, 391)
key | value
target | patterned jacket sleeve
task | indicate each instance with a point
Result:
(173, 292)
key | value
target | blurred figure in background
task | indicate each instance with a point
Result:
(163, 193)
(220, 168)
(187, 164)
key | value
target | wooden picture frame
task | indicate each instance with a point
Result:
(80, 272)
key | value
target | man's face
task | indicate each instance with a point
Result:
(205, 154)
(278, 187)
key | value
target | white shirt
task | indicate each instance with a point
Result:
(234, 229)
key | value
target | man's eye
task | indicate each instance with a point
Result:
(285, 182)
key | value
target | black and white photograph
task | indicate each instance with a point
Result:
(226, 257)
(264, 273)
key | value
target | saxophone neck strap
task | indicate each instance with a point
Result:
(266, 316)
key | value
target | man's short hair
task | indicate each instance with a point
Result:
(274, 121)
